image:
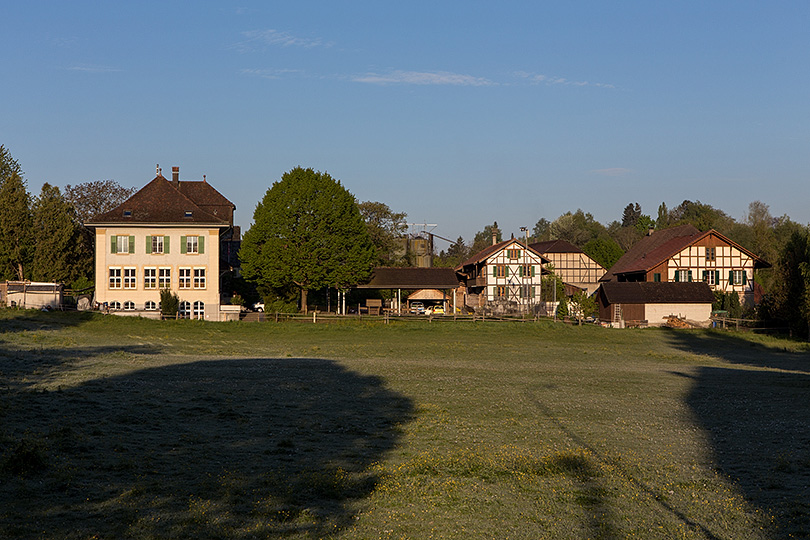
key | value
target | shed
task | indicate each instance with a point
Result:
(32, 294)
(652, 302)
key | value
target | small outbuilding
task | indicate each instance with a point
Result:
(32, 294)
(652, 303)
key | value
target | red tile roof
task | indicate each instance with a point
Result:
(656, 248)
(160, 201)
(555, 246)
(485, 253)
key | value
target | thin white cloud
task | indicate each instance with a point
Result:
(613, 171)
(259, 40)
(423, 78)
(271, 73)
(534, 78)
(86, 68)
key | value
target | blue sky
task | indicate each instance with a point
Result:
(458, 113)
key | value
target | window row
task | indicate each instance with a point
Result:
(521, 291)
(157, 244)
(187, 310)
(712, 277)
(156, 277)
(502, 270)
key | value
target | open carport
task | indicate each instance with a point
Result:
(412, 278)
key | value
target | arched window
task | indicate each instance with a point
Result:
(185, 309)
(129, 305)
(150, 306)
(199, 310)
(115, 305)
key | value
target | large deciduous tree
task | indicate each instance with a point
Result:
(15, 219)
(96, 197)
(386, 229)
(307, 233)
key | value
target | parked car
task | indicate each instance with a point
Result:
(258, 306)
(435, 310)
(417, 308)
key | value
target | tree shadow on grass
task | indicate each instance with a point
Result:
(233, 448)
(756, 414)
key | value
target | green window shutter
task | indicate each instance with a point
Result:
(731, 277)
(113, 242)
(494, 270)
(132, 244)
(183, 245)
(148, 244)
(705, 275)
(717, 277)
(520, 271)
(532, 276)
(166, 245)
(745, 277)
(201, 245)
(690, 276)
(506, 271)
(677, 276)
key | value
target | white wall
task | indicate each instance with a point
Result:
(655, 313)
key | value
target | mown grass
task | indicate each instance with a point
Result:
(124, 428)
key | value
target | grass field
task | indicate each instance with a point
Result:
(112, 427)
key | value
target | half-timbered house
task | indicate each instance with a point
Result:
(684, 254)
(571, 264)
(505, 277)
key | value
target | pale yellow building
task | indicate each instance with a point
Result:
(166, 236)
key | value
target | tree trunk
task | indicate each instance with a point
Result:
(20, 271)
(304, 301)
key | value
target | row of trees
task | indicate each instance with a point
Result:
(42, 237)
(309, 233)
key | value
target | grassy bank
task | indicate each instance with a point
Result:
(124, 428)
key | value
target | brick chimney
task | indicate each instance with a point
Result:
(176, 176)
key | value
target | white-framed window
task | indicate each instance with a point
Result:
(711, 253)
(130, 278)
(150, 305)
(115, 277)
(192, 244)
(199, 310)
(199, 278)
(165, 277)
(185, 278)
(150, 277)
(129, 305)
(115, 306)
(736, 277)
(157, 244)
(122, 244)
(683, 275)
(710, 277)
(184, 309)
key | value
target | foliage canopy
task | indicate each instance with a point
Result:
(307, 233)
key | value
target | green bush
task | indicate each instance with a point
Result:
(169, 303)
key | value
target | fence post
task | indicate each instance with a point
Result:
(314, 317)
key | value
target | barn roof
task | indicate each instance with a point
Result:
(389, 277)
(649, 292)
(555, 246)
